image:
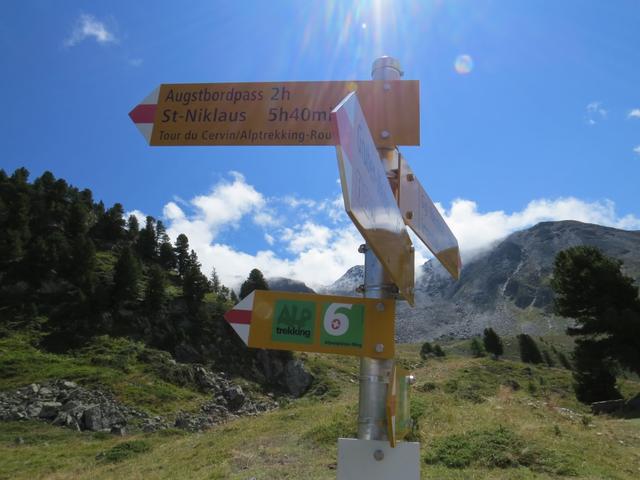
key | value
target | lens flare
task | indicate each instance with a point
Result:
(463, 64)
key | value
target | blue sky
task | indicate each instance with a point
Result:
(545, 125)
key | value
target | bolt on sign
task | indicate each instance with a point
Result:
(422, 216)
(368, 198)
(399, 421)
(276, 113)
(315, 323)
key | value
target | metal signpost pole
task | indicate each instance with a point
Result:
(375, 374)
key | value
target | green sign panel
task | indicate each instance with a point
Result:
(294, 322)
(342, 325)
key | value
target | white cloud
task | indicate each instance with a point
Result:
(476, 230)
(135, 62)
(87, 26)
(228, 202)
(595, 113)
(637, 150)
(635, 113)
(320, 243)
(317, 254)
(269, 239)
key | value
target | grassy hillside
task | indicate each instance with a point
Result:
(477, 419)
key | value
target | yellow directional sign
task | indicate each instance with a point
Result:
(315, 323)
(399, 421)
(276, 113)
(422, 216)
(368, 198)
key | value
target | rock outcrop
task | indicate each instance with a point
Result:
(67, 404)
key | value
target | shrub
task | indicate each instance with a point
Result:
(498, 448)
(425, 350)
(477, 350)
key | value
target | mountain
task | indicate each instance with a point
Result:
(347, 283)
(283, 284)
(506, 287)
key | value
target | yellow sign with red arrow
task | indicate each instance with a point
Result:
(315, 323)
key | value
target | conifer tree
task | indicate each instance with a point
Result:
(194, 284)
(594, 372)
(591, 288)
(133, 228)
(167, 256)
(126, 276)
(111, 226)
(492, 343)
(529, 351)
(147, 240)
(182, 253)
(155, 295)
(161, 233)
(255, 281)
(215, 281)
(83, 263)
(78, 223)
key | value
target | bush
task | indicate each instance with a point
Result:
(499, 448)
(425, 350)
(477, 350)
(437, 351)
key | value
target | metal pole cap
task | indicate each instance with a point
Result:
(386, 62)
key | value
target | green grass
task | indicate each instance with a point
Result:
(123, 451)
(472, 424)
(107, 363)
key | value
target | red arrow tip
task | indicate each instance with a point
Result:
(143, 113)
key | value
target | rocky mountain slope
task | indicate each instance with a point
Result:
(506, 287)
(283, 284)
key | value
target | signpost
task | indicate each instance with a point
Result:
(276, 113)
(315, 323)
(422, 216)
(380, 194)
(368, 199)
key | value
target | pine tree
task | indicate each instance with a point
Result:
(155, 295)
(182, 253)
(255, 281)
(215, 281)
(492, 343)
(161, 233)
(111, 226)
(133, 228)
(594, 373)
(78, 223)
(147, 241)
(529, 351)
(167, 256)
(591, 288)
(194, 284)
(83, 263)
(126, 276)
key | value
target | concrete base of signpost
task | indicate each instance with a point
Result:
(376, 460)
